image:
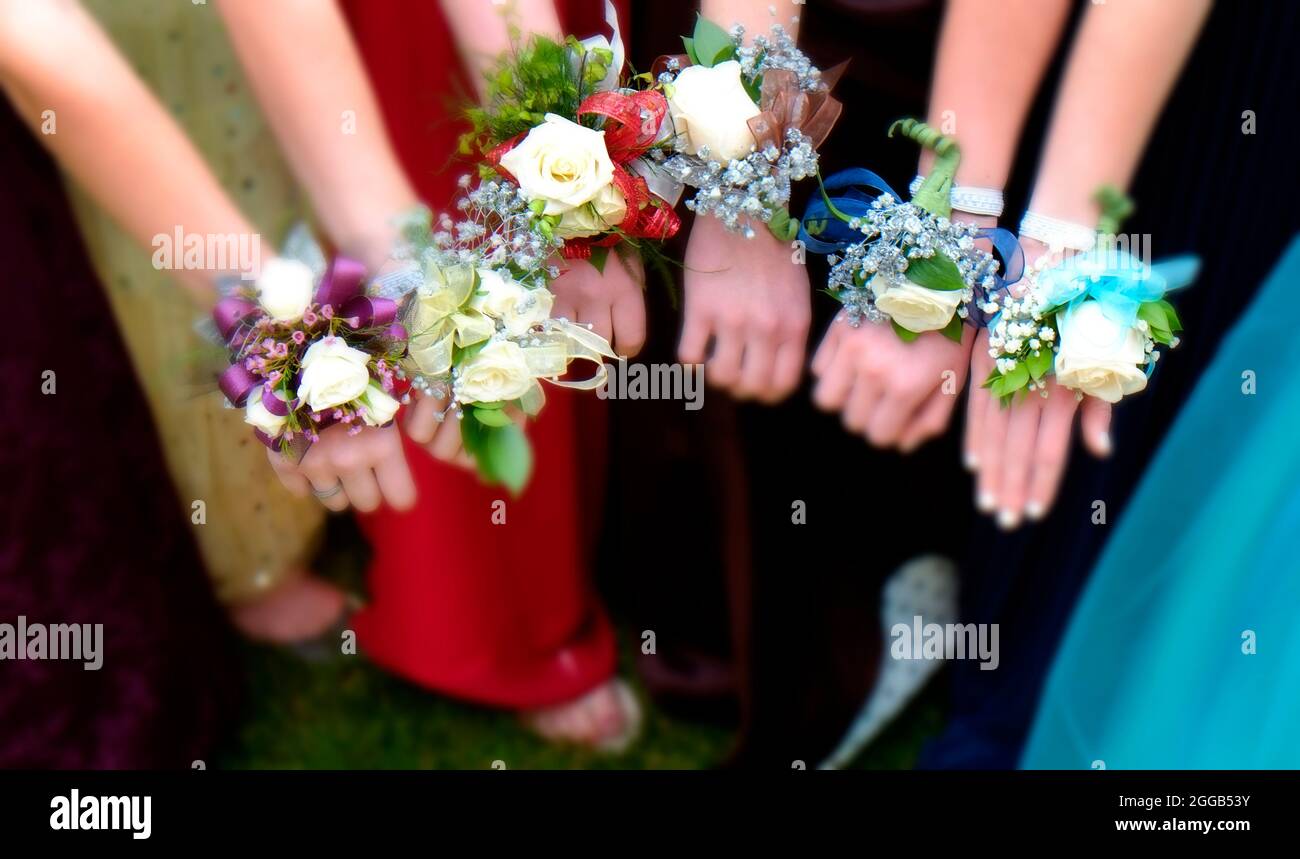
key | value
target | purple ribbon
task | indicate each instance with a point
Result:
(369, 311)
(237, 383)
(230, 313)
(342, 282)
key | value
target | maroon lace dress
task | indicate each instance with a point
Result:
(91, 530)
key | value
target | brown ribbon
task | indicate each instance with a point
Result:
(784, 106)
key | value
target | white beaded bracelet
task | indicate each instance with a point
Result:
(969, 198)
(1056, 233)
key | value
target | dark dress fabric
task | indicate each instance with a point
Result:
(1206, 187)
(92, 530)
(757, 619)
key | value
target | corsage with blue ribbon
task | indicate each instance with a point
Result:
(907, 262)
(1094, 320)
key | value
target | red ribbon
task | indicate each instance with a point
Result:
(632, 122)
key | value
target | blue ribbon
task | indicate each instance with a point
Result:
(858, 188)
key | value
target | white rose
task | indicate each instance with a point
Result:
(1098, 355)
(562, 163)
(284, 289)
(498, 373)
(258, 415)
(518, 307)
(915, 307)
(710, 108)
(333, 373)
(605, 211)
(380, 406)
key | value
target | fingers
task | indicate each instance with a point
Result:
(446, 443)
(826, 350)
(1018, 456)
(695, 338)
(723, 368)
(756, 370)
(422, 419)
(993, 436)
(395, 481)
(787, 370)
(292, 479)
(889, 417)
(629, 322)
(929, 420)
(862, 401)
(977, 402)
(836, 375)
(323, 482)
(361, 489)
(1096, 426)
(597, 315)
(1051, 453)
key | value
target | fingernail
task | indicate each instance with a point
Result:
(985, 502)
(1008, 519)
(1103, 443)
(1035, 511)
(971, 460)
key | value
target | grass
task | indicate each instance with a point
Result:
(343, 713)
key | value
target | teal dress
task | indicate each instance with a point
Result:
(1184, 652)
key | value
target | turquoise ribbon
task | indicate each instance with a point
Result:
(1118, 281)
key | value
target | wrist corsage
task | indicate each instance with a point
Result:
(747, 123)
(906, 262)
(310, 347)
(565, 125)
(1094, 320)
(481, 336)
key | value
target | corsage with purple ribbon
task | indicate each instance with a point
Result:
(1094, 320)
(907, 262)
(747, 123)
(309, 348)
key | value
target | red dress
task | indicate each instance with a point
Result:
(500, 614)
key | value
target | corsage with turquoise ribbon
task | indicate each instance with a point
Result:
(907, 262)
(1094, 320)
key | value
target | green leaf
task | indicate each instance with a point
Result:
(508, 457)
(711, 43)
(1039, 364)
(492, 417)
(689, 44)
(903, 334)
(784, 227)
(936, 272)
(598, 258)
(1016, 379)
(1154, 315)
(953, 330)
(1175, 324)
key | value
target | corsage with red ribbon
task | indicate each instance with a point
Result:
(310, 347)
(565, 124)
(747, 122)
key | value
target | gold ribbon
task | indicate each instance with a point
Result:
(437, 318)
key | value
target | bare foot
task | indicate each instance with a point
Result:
(607, 718)
(297, 610)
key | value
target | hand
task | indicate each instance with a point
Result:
(752, 300)
(366, 469)
(1019, 452)
(612, 302)
(897, 394)
(427, 425)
